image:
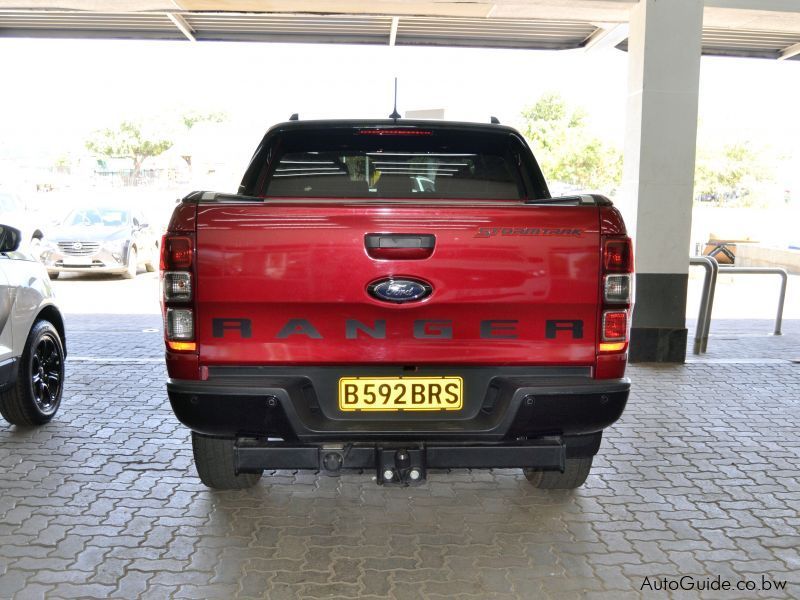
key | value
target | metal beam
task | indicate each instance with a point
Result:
(789, 6)
(789, 52)
(393, 33)
(607, 36)
(182, 26)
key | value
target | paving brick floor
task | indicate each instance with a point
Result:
(699, 478)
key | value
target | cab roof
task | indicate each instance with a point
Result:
(394, 124)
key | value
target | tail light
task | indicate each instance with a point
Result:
(617, 255)
(176, 286)
(176, 252)
(617, 293)
(617, 289)
(177, 292)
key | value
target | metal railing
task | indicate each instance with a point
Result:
(784, 275)
(710, 264)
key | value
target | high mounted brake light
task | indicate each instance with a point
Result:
(394, 132)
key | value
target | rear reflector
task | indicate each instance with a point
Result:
(176, 252)
(182, 346)
(177, 286)
(617, 256)
(617, 289)
(179, 324)
(615, 326)
(612, 346)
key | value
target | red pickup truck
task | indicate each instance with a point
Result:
(395, 296)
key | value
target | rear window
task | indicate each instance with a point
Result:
(394, 163)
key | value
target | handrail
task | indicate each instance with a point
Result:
(706, 300)
(766, 271)
(712, 267)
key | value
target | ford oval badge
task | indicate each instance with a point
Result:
(399, 290)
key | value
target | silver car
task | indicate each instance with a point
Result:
(100, 240)
(32, 342)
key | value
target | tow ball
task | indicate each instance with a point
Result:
(400, 466)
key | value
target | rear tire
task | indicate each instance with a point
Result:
(53, 274)
(216, 466)
(574, 476)
(36, 395)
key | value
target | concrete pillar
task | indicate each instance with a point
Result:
(660, 138)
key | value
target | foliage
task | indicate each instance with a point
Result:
(731, 173)
(127, 141)
(566, 149)
(192, 118)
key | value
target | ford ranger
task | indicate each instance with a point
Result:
(395, 296)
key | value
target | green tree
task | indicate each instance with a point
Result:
(127, 141)
(730, 172)
(565, 147)
(192, 118)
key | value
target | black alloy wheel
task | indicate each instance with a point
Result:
(36, 394)
(47, 374)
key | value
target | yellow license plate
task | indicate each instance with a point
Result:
(401, 393)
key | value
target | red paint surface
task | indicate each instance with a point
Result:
(274, 262)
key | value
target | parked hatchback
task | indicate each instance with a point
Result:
(97, 239)
(32, 342)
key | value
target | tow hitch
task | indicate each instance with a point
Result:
(400, 466)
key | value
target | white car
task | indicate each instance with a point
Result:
(32, 342)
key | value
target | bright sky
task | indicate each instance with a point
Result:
(57, 91)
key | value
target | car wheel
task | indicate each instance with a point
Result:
(36, 395)
(133, 265)
(53, 274)
(574, 476)
(216, 465)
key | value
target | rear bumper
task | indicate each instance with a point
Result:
(299, 404)
(407, 463)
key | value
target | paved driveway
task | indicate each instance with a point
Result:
(699, 478)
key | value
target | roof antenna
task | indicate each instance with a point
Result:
(395, 115)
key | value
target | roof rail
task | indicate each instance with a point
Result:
(494, 121)
(294, 117)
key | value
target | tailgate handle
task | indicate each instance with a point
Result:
(408, 246)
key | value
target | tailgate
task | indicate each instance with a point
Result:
(288, 284)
